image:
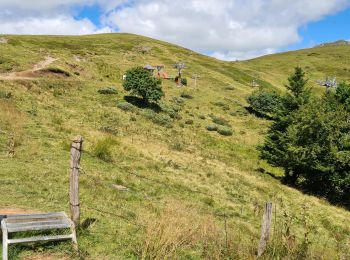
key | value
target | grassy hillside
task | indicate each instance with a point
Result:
(320, 62)
(191, 193)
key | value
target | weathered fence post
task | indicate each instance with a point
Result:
(265, 228)
(75, 154)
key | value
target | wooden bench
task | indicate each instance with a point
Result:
(35, 222)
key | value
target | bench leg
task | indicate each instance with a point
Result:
(4, 244)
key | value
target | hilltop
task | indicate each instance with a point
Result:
(155, 183)
(336, 43)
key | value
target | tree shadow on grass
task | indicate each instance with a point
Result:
(140, 103)
(258, 114)
(263, 171)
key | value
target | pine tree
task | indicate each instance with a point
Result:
(275, 148)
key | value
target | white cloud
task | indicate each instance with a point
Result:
(241, 55)
(49, 17)
(60, 25)
(229, 28)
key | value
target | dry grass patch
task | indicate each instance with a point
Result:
(179, 229)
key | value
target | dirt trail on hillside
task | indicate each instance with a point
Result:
(28, 74)
(11, 211)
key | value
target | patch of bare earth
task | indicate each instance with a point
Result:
(45, 257)
(28, 74)
(12, 211)
(3, 40)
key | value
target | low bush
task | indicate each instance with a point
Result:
(184, 81)
(178, 100)
(222, 104)
(212, 127)
(172, 110)
(162, 120)
(220, 121)
(202, 117)
(226, 131)
(5, 95)
(264, 103)
(102, 149)
(108, 91)
(186, 95)
(126, 106)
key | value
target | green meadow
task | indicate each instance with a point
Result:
(188, 193)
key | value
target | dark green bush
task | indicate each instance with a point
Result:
(184, 81)
(141, 83)
(108, 91)
(264, 103)
(212, 127)
(226, 131)
(342, 94)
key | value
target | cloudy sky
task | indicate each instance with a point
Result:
(225, 29)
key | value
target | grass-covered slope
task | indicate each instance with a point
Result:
(191, 193)
(319, 63)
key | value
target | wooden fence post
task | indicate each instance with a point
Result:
(265, 228)
(75, 154)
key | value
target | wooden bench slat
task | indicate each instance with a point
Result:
(36, 223)
(38, 227)
(35, 216)
(14, 221)
(42, 238)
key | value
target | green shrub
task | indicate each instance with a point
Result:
(108, 91)
(178, 100)
(5, 95)
(342, 94)
(202, 117)
(212, 127)
(220, 121)
(162, 119)
(126, 106)
(186, 95)
(184, 81)
(264, 103)
(226, 131)
(172, 110)
(102, 149)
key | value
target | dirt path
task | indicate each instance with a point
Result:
(28, 74)
(11, 211)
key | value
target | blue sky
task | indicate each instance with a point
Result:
(331, 28)
(225, 29)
